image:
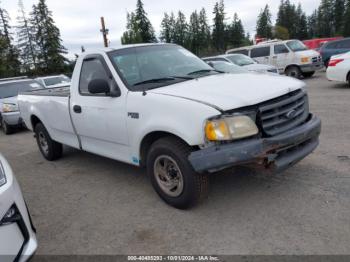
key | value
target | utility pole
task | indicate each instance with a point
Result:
(104, 32)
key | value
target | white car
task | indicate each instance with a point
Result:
(162, 107)
(17, 233)
(339, 68)
(291, 57)
(244, 61)
(54, 81)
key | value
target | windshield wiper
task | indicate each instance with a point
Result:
(202, 71)
(154, 80)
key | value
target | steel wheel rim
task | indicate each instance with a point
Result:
(168, 175)
(43, 143)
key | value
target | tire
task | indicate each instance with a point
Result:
(50, 149)
(293, 71)
(169, 156)
(308, 74)
(8, 130)
(349, 79)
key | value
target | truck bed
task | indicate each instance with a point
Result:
(58, 91)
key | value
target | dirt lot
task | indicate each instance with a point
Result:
(85, 204)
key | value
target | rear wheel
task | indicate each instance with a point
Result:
(293, 71)
(349, 79)
(49, 148)
(6, 128)
(308, 74)
(172, 175)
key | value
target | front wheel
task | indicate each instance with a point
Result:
(172, 176)
(293, 71)
(308, 74)
(49, 148)
(6, 128)
(349, 79)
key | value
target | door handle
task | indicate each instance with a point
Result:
(77, 109)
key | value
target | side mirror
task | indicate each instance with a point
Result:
(99, 86)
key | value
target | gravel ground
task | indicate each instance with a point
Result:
(86, 204)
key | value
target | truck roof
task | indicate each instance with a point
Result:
(118, 47)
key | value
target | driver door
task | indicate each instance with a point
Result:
(99, 119)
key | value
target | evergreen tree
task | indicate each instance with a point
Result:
(194, 33)
(26, 40)
(172, 22)
(204, 29)
(326, 19)
(181, 30)
(312, 25)
(219, 27)
(287, 17)
(8, 51)
(301, 25)
(338, 15)
(144, 25)
(50, 57)
(132, 33)
(138, 27)
(346, 27)
(281, 32)
(236, 32)
(165, 33)
(263, 24)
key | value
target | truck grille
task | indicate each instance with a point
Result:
(281, 114)
(316, 59)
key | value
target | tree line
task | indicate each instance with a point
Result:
(38, 48)
(331, 18)
(196, 34)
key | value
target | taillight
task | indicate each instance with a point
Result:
(334, 62)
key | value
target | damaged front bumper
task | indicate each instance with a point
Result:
(277, 152)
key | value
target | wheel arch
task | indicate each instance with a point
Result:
(291, 65)
(34, 120)
(149, 139)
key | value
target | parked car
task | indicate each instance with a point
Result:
(291, 57)
(339, 68)
(9, 113)
(160, 106)
(317, 43)
(334, 48)
(226, 67)
(244, 61)
(54, 81)
(17, 233)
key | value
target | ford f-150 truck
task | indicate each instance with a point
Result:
(160, 106)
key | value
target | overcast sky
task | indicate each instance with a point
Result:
(79, 20)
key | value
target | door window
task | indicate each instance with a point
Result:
(260, 52)
(280, 49)
(90, 70)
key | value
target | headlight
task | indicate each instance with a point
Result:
(230, 128)
(305, 59)
(7, 108)
(2, 176)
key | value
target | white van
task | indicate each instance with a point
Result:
(291, 57)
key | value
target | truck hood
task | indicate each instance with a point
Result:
(307, 53)
(230, 91)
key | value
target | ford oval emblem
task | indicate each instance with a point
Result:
(291, 114)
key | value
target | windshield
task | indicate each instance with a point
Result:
(228, 67)
(157, 65)
(12, 89)
(296, 46)
(241, 60)
(57, 80)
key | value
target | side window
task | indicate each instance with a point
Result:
(333, 45)
(280, 49)
(260, 52)
(242, 51)
(90, 70)
(345, 44)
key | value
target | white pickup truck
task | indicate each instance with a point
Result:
(160, 106)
